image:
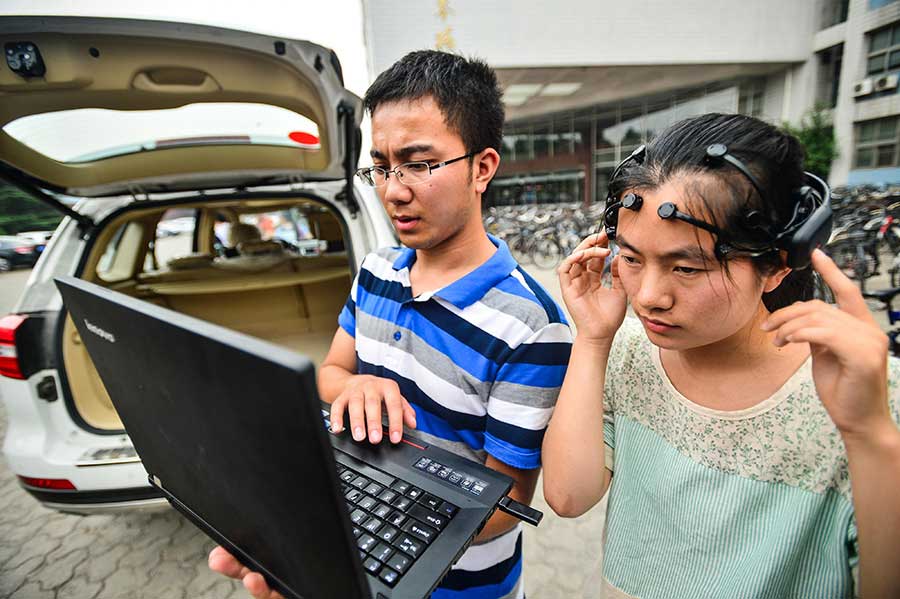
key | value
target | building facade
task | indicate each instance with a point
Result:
(586, 81)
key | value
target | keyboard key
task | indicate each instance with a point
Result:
(382, 552)
(358, 516)
(356, 532)
(402, 503)
(444, 472)
(426, 516)
(366, 543)
(455, 478)
(382, 511)
(387, 495)
(387, 533)
(434, 467)
(389, 576)
(410, 546)
(373, 489)
(414, 493)
(430, 501)
(367, 503)
(423, 463)
(447, 509)
(353, 496)
(348, 475)
(396, 518)
(420, 531)
(360, 482)
(371, 565)
(399, 562)
(373, 525)
(400, 486)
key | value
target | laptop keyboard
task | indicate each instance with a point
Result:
(393, 521)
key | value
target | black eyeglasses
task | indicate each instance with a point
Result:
(409, 173)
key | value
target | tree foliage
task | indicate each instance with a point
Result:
(816, 133)
(21, 212)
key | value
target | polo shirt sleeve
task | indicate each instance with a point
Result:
(524, 394)
(347, 317)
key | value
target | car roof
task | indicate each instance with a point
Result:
(126, 65)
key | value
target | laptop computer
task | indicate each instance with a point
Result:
(231, 430)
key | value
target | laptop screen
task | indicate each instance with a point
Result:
(231, 427)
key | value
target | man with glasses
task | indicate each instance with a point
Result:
(448, 334)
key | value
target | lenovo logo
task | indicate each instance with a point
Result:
(99, 332)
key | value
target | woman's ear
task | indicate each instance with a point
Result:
(774, 279)
(486, 163)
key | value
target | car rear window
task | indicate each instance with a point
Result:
(89, 134)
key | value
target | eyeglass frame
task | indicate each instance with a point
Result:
(395, 170)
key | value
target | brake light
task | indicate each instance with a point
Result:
(23, 250)
(9, 358)
(56, 484)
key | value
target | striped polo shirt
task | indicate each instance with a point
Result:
(481, 361)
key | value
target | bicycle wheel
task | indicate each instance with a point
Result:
(546, 253)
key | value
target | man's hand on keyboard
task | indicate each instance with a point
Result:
(224, 563)
(363, 397)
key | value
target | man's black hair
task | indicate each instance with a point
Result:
(465, 90)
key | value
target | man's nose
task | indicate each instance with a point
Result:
(394, 191)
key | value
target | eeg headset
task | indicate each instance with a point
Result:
(808, 228)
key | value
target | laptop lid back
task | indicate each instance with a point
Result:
(231, 427)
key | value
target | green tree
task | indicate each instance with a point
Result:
(816, 133)
(21, 212)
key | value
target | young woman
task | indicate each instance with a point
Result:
(746, 432)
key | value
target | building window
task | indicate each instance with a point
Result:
(830, 61)
(884, 50)
(876, 143)
(834, 12)
(751, 98)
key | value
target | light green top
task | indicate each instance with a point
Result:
(707, 503)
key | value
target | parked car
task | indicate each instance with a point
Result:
(100, 85)
(15, 252)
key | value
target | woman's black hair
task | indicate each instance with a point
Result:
(773, 156)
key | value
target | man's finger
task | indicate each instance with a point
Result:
(337, 413)
(374, 398)
(409, 414)
(393, 403)
(257, 586)
(357, 409)
(224, 563)
(846, 293)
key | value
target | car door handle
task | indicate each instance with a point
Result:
(175, 81)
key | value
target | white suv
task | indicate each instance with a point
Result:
(202, 169)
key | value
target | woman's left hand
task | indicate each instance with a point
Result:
(849, 351)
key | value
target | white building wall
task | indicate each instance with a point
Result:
(524, 33)
(860, 20)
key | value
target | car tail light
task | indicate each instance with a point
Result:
(56, 484)
(23, 250)
(9, 357)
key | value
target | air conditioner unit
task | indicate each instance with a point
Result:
(886, 82)
(862, 88)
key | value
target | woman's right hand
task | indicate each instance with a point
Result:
(597, 311)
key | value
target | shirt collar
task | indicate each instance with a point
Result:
(472, 287)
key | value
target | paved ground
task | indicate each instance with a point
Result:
(159, 555)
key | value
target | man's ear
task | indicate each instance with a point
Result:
(484, 168)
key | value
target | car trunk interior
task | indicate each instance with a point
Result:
(287, 292)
